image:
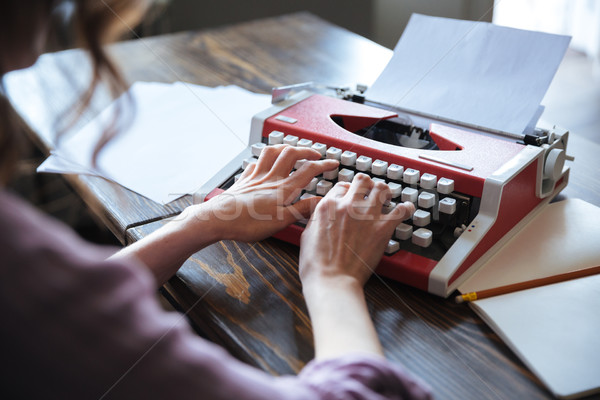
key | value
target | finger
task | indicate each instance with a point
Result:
(361, 186)
(288, 158)
(301, 209)
(400, 212)
(310, 169)
(339, 190)
(380, 194)
(248, 171)
(267, 158)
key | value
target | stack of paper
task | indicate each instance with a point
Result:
(179, 134)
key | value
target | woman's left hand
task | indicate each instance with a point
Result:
(263, 200)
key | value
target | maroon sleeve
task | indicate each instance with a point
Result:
(77, 326)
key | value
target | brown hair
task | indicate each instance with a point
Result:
(96, 23)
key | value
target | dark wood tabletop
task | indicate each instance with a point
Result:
(248, 297)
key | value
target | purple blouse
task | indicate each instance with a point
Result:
(76, 326)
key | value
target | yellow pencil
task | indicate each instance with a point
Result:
(526, 285)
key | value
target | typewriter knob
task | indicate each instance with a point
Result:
(555, 160)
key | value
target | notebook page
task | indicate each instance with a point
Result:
(554, 330)
(562, 238)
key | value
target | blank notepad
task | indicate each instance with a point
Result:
(555, 330)
(563, 237)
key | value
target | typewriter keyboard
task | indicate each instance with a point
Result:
(441, 213)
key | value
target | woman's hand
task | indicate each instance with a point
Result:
(348, 232)
(261, 202)
(255, 207)
(340, 248)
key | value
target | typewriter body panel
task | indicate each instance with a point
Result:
(498, 185)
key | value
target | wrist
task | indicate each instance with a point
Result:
(340, 317)
(199, 226)
(322, 286)
(317, 273)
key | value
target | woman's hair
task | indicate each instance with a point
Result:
(95, 23)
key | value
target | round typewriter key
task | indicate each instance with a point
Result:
(422, 237)
(305, 143)
(428, 181)
(421, 218)
(320, 147)
(445, 186)
(395, 172)
(426, 200)
(257, 148)
(363, 163)
(395, 188)
(275, 137)
(248, 161)
(346, 175)
(404, 231)
(323, 187)
(379, 167)
(291, 140)
(448, 205)
(333, 153)
(410, 194)
(392, 247)
(348, 158)
(411, 176)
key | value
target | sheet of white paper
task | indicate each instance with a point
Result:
(179, 137)
(554, 330)
(55, 164)
(562, 238)
(45, 93)
(474, 72)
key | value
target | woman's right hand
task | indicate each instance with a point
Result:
(340, 247)
(348, 231)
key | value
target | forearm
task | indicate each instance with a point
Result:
(340, 319)
(165, 250)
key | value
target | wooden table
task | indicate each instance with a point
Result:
(247, 297)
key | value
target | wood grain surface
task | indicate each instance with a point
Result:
(247, 297)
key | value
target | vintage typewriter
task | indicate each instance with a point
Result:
(472, 187)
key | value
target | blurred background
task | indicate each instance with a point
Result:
(384, 20)
(573, 100)
(379, 20)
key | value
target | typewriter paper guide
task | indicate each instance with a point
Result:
(473, 72)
